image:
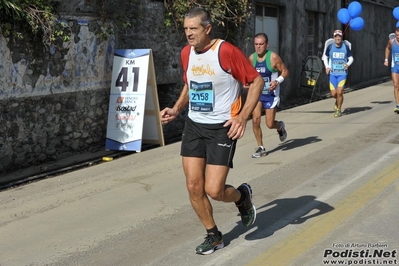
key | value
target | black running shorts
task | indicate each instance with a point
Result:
(209, 141)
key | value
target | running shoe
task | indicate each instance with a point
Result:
(338, 113)
(247, 208)
(396, 110)
(336, 106)
(282, 132)
(260, 152)
(212, 242)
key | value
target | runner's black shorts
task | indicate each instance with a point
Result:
(209, 141)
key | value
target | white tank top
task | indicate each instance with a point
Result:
(212, 90)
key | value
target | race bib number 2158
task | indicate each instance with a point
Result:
(201, 96)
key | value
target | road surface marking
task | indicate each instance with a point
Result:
(289, 249)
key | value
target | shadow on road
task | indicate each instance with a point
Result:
(382, 102)
(347, 111)
(295, 143)
(353, 110)
(279, 213)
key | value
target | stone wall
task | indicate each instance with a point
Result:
(48, 128)
(54, 102)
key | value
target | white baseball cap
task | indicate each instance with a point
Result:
(337, 32)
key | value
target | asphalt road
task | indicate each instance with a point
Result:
(328, 193)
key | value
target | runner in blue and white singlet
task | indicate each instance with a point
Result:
(392, 51)
(395, 57)
(337, 57)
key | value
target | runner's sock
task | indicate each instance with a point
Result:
(241, 199)
(213, 231)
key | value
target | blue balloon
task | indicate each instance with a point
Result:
(396, 13)
(397, 24)
(354, 8)
(357, 23)
(343, 16)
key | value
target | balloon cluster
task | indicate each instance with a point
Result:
(351, 15)
(396, 15)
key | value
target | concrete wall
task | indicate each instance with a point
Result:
(369, 44)
(293, 16)
(54, 103)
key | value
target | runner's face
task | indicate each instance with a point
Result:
(338, 39)
(260, 45)
(196, 34)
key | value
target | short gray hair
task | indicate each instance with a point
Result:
(199, 12)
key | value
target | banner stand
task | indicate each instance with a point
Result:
(133, 117)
